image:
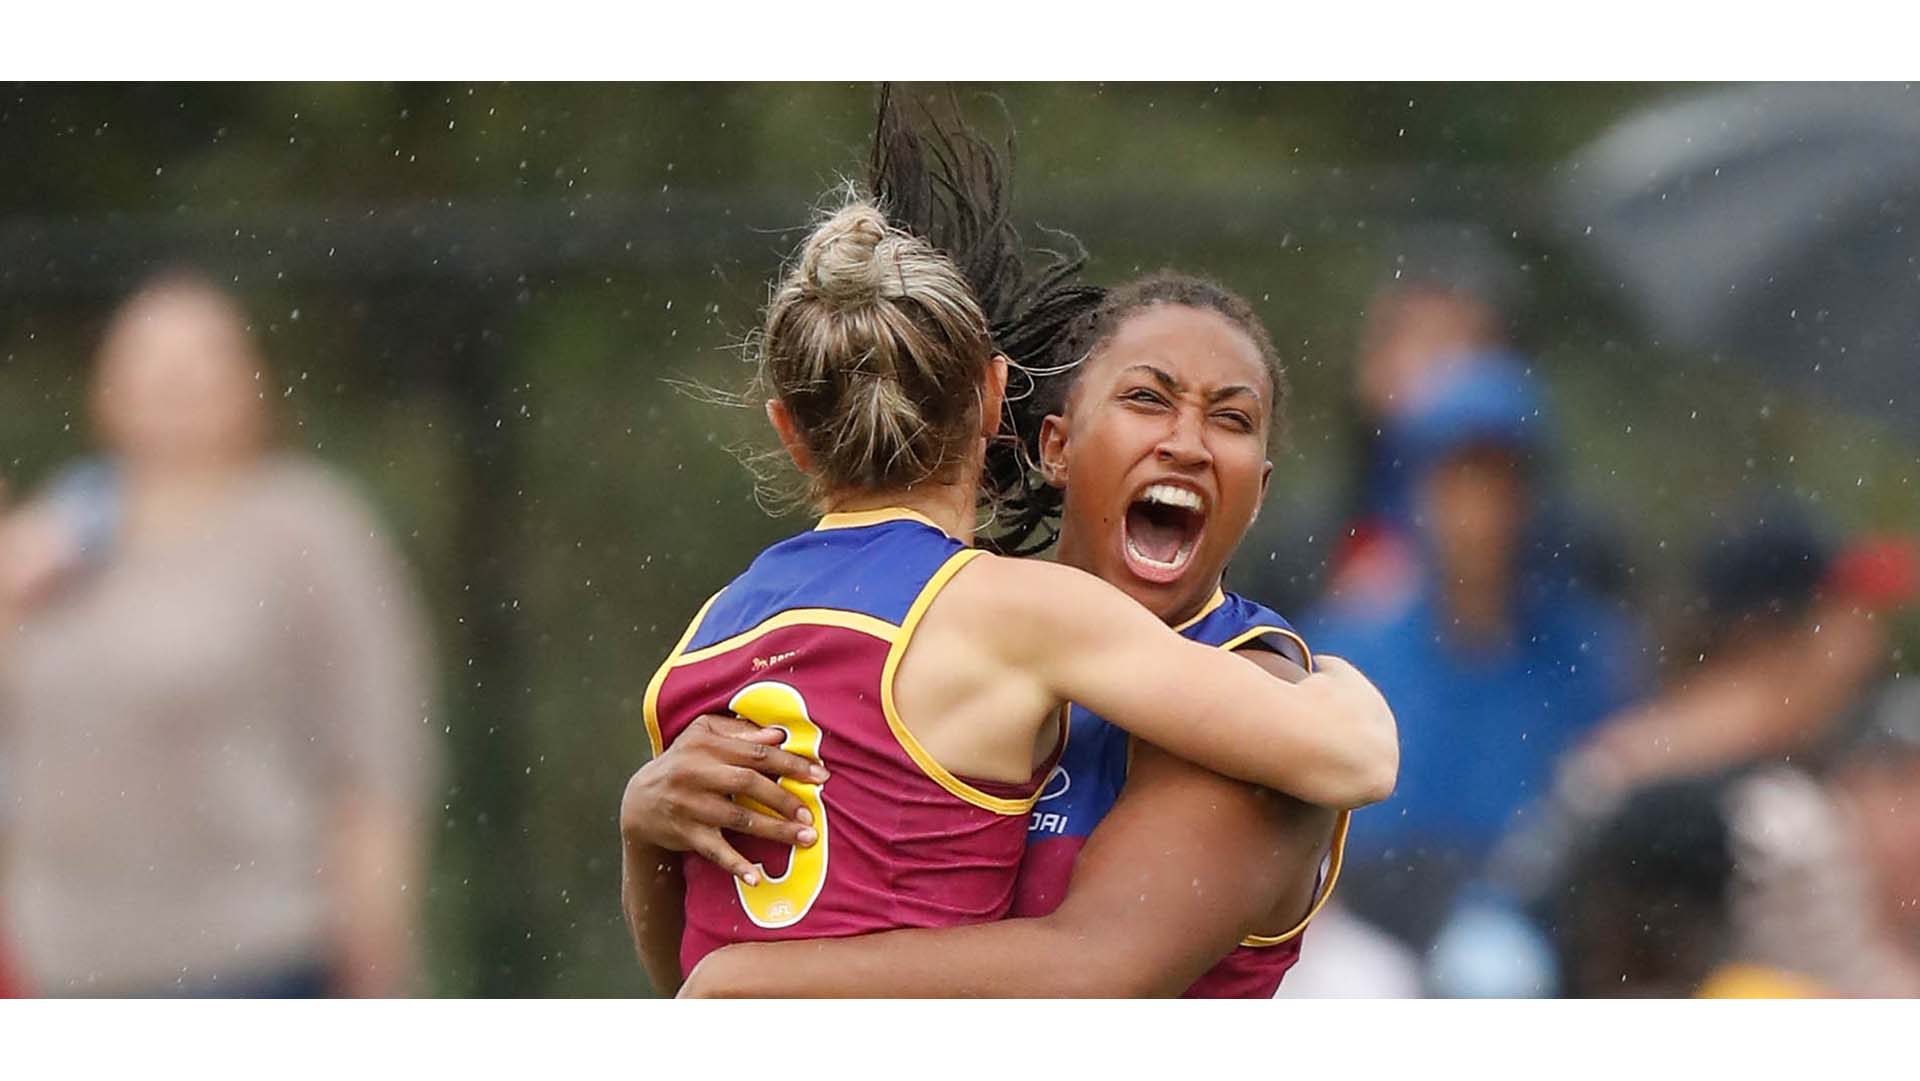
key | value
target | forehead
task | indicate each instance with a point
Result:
(176, 331)
(1197, 346)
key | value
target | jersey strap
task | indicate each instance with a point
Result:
(1288, 637)
(650, 706)
(1332, 878)
(940, 775)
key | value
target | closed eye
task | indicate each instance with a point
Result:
(1144, 396)
(1235, 419)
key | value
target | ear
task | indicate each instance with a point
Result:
(1266, 476)
(789, 434)
(993, 394)
(1053, 450)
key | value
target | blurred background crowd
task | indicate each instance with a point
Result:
(347, 504)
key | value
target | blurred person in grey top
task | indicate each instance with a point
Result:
(214, 694)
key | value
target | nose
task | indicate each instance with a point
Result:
(1184, 445)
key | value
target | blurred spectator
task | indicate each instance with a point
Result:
(1814, 782)
(1496, 661)
(1871, 777)
(1768, 882)
(1444, 302)
(213, 695)
(1644, 909)
(1791, 635)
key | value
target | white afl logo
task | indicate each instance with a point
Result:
(1051, 790)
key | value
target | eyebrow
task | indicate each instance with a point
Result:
(1174, 386)
(1232, 391)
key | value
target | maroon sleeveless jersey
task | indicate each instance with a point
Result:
(807, 641)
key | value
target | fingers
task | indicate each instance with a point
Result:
(1330, 665)
(727, 726)
(755, 823)
(715, 850)
(775, 762)
(763, 794)
(1342, 671)
(744, 743)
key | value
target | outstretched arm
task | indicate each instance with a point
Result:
(1328, 740)
(1185, 864)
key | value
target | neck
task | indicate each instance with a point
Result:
(160, 499)
(1192, 606)
(1068, 550)
(1478, 601)
(949, 506)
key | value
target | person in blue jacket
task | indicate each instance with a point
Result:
(1498, 658)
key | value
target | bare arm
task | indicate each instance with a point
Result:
(1328, 740)
(376, 846)
(1776, 701)
(1185, 864)
(653, 897)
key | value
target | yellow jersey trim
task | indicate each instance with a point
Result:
(816, 617)
(1219, 598)
(650, 706)
(855, 519)
(1334, 860)
(1337, 856)
(812, 617)
(934, 770)
(1252, 633)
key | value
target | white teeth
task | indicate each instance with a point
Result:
(1179, 558)
(1172, 496)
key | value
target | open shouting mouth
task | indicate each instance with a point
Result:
(1162, 529)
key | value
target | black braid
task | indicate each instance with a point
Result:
(952, 188)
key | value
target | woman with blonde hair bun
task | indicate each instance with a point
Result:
(926, 677)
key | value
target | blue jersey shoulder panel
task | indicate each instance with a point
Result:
(876, 570)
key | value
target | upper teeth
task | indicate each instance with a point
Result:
(1172, 496)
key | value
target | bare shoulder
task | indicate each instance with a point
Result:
(1034, 586)
(1020, 599)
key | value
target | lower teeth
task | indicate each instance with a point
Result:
(1179, 557)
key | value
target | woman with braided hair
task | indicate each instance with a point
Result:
(1140, 443)
(929, 678)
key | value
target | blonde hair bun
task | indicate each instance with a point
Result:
(877, 347)
(847, 256)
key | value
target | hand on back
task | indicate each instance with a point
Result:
(685, 798)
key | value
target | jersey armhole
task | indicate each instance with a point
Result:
(1290, 645)
(936, 772)
(1273, 639)
(650, 706)
(1335, 858)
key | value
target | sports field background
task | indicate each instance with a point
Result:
(474, 298)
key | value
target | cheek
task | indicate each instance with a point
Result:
(1103, 449)
(1239, 468)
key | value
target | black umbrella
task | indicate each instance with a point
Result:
(1773, 224)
